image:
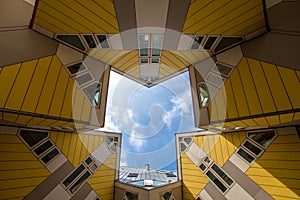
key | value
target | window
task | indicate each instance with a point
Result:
(103, 41)
(73, 40)
(75, 68)
(92, 92)
(80, 80)
(222, 69)
(215, 79)
(156, 44)
(209, 42)
(197, 41)
(204, 95)
(130, 196)
(167, 196)
(226, 42)
(216, 174)
(154, 60)
(80, 175)
(255, 144)
(184, 142)
(112, 143)
(40, 144)
(89, 39)
(171, 175)
(144, 44)
(32, 137)
(144, 60)
(264, 138)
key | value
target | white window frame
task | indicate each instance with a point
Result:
(200, 45)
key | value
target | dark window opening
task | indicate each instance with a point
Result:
(245, 155)
(197, 41)
(79, 182)
(103, 41)
(32, 137)
(73, 69)
(131, 196)
(216, 181)
(210, 41)
(252, 148)
(220, 172)
(263, 138)
(202, 167)
(50, 156)
(222, 69)
(132, 175)
(227, 42)
(73, 40)
(72, 176)
(42, 148)
(90, 41)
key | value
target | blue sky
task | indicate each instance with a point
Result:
(149, 118)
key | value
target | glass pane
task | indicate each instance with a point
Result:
(245, 155)
(166, 196)
(182, 147)
(83, 78)
(216, 181)
(252, 148)
(221, 173)
(215, 79)
(80, 181)
(42, 148)
(144, 60)
(73, 40)
(209, 42)
(92, 92)
(202, 167)
(187, 140)
(74, 174)
(132, 175)
(155, 60)
(90, 41)
(88, 161)
(108, 140)
(156, 44)
(131, 196)
(264, 138)
(222, 69)
(32, 137)
(197, 41)
(50, 156)
(227, 41)
(204, 95)
(73, 69)
(113, 147)
(144, 45)
(103, 41)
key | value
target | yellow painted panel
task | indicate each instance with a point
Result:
(7, 78)
(102, 14)
(4, 147)
(212, 111)
(250, 122)
(59, 93)
(53, 136)
(10, 117)
(239, 94)
(77, 104)
(292, 156)
(9, 139)
(67, 21)
(298, 74)
(15, 192)
(49, 87)
(23, 173)
(66, 145)
(221, 12)
(43, 14)
(64, 8)
(84, 139)
(249, 88)
(295, 147)
(36, 84)
(230, 100)
(286, 118)
(262, 87)
(67, 103)
(257, 170)
(291, 81)
(86, 110)
(35, 121)
(244, 18)
(19, 165)
(273, 120)
(47, 122)
(60, 140)
(285, 139)
(22, 156)
(196, 6)
(276, 86)
(19, 89)
(191, 23)
(23, 119)
(41, 22)
(297, 116)
(18, 183)
(261, 121)
(250, 24)
(79, 146)
(72, 149)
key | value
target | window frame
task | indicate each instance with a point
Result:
(223, 64)
(99, 46)
(94, 38)
(85, 83)
(258, 144)
(200, 45)
(81, 39)
(100, 92)
(78, 72)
